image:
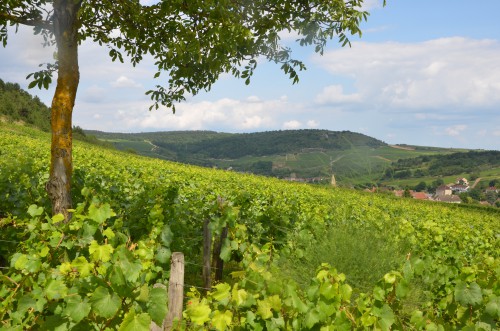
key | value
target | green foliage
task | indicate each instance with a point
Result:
(196, 42)
(84, 275)
(19, 106)
(450, 164)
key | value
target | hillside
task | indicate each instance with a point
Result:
(353, 158)
(305, 155)
(352, 259)
(18, 105)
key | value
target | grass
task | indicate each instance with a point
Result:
(364, 253)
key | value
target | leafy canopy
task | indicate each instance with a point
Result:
(194, 41)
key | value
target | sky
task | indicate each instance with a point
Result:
(423, 72)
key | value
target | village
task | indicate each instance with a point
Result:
(454, 193)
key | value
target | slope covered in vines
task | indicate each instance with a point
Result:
(98, 271)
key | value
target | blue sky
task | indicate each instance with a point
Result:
(424, 72)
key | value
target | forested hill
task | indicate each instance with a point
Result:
(209, 144)
(18, 105)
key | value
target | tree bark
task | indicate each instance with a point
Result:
(65, 23)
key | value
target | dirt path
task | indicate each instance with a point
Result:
(401, 147)
(382, 158)
(475, 182)
(338, 158)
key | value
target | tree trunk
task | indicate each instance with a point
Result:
(68, 76)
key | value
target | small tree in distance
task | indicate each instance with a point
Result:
(193, 42)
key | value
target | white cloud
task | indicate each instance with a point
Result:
(290, 125)
(311, 124)
(449, 74)
(371, 4)
(125, 82)
(456, 130)
(224, 114)
(334, 94)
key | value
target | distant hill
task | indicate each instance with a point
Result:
(19, 106)
(310, 155)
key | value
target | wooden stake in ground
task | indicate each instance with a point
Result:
(175, 291)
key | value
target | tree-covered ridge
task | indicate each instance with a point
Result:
(445, 164)
(210, 144)
(274, 142)
(18, 105)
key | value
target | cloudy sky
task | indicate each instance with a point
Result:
(424, 72)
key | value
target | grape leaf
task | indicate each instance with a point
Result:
(468, 294)
(157, 304)
(104, 303)
(55, 289)
(133, 322)
(76, 308)
(222, 320)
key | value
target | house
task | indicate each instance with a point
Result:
(419, 195)
(491, 189)
(463, 181)
(458, 188)
(448, 198)
(443, 190)
(414, 195)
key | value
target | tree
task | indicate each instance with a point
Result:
(194, 42)
(420, 187)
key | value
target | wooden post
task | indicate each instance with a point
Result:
(175, 291)
(207, 247)
(217, 261)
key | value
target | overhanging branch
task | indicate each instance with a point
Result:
(40, 23)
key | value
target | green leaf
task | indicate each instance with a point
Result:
(222, 320)
(55, 289)
(297, 303)
(34, 210)
(163, 255)
(100, 213)
(131, 265)
(312, 318)
(103, 303)
(493, 307)
(25, 303)
(391, 277)
(225, 252)
(468, 294)
(198, 312)
(418, 319)
(157, 304)
(57, 218)
(166, 235)
(239, 296)
(346, 292)
(385, 315)
(222, 292)
(402, 289)
(55, 323)
(100, 252)
(264, 306)
(19, 261)
(109, 233)
(82, 266)
(76, 308)
(133, 322)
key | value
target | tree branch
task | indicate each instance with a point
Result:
(43, 24)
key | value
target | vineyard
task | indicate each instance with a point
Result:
(292, 256)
